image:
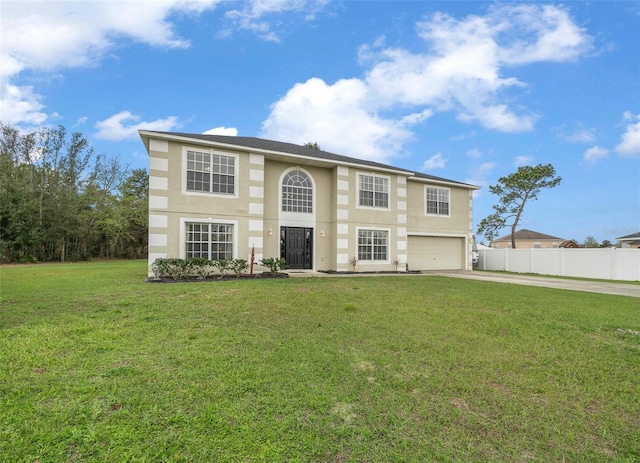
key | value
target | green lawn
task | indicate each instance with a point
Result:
(97, 365)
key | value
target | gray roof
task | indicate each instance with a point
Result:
(629, 237)
(300, 150)
(525, 234)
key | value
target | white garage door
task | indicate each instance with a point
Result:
(435, 253)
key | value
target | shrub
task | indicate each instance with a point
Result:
(173, 268)
(274, 265)
(238, 266)
(222, 265)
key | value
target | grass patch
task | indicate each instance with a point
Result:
(98, 365)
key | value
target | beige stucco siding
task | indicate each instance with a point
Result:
(418, 221)
(255, 208)
(320, 219)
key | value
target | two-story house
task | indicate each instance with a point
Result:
(219, 197)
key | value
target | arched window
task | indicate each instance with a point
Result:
(297, 192)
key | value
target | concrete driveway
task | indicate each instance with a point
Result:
(619, 289)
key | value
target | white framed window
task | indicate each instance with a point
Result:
(373, 245)
(297, 192)
(213, 241)
(210, 172)
(373, 191)
(437, 201)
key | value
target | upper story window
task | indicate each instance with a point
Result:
(210, 173)
(297, 192)
(373, 191)
(437, 201)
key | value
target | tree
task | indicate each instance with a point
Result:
(590, 242)
(313, 145)
(61, 201)
(514, 191)
(606, 244)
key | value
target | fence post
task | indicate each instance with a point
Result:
(531, 259)
(614, 264)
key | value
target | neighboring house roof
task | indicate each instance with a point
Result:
(277, 147)
(528, 235)
(569, 244)
(633, 236)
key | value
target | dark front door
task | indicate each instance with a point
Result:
(296, 245)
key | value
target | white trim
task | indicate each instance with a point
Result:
(256, 192)
(256, 159)
(236, 175)
(158, 202)
(342, 200)
(256, 175)
(443, 235)
(426, 207)
(342, 214)
(256, 241)
(158, 183)
(373, 262)
(161, 146)
(402, 205)
(343, 171)
(298, 219)
(256, 208)
(360, 174)
(410, 175)
(342, 229)
(158, 240)
(153, 256)
(444, 182)
(160, 164)
(207, 220)
(158, 221)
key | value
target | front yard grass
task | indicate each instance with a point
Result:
(97, 365)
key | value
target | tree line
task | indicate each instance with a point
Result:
(60, 201)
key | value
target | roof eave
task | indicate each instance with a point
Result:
(147, 134)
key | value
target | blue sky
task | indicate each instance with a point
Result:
(463, 90)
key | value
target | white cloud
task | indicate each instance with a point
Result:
(581, 136)
(464, 69)
(594, 154)
(335, 116)
(125, 126)
(434, 162)
(253, 13)
(523, 160)
(46, 36)
(474, 153)
(629, 146)
(232, 131)
(480, 175)
(20, 105)
(544, 33)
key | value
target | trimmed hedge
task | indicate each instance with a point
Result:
(202, 268)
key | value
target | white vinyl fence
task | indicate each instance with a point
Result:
(607, 264)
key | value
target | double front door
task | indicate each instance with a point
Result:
(296, 245)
